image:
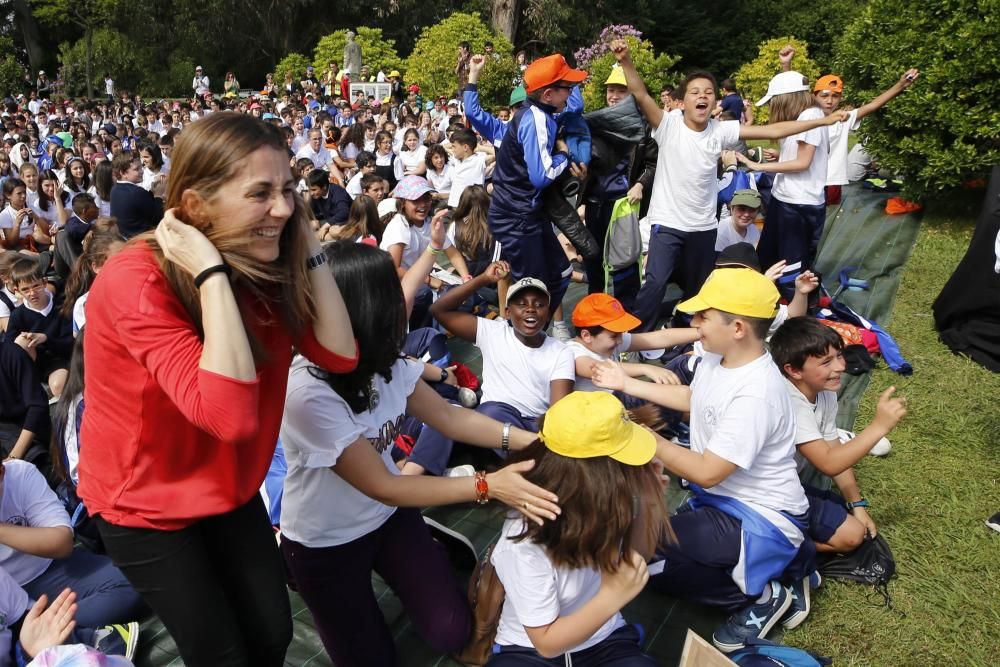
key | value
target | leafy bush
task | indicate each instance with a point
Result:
(753, 77)
(296, 63)
(11, 72)
(174, 80)
(598, 61)
(946, 128)
(113, 53)
(376, 51)
(432, 63)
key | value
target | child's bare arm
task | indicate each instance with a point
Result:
(803, 159)
(559, 389)
(650, 109)
(445, 310)
(904, 82)
(706, 469)
(610, 375)
(654, 340)
(789, 127)
(805, 283)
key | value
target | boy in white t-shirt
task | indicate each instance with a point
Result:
(524, 370)
(468, 167)
(603, 326)
(810, 357)
(682, 209)
(742, 536)
(738, 226)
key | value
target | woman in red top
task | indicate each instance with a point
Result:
(193, 329)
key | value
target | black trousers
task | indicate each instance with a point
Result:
(217, 585)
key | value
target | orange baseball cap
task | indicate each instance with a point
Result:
(603, 310)
(549, 70)
(830, 82)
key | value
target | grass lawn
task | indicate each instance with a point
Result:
(931, 495)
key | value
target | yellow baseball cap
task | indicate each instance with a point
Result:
(617, 77)
(588, 424)
(737, 291)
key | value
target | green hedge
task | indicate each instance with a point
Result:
(946, 128)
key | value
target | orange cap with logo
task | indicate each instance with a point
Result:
(549, 70)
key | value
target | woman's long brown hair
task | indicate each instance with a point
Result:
(208, 153)
(608, 508)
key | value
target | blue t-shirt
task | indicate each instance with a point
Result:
(733, 103)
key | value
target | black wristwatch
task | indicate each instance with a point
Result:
(444, 375)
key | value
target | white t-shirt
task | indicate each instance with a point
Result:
(320, 159)
(440, 182)
(318, 508)
(354, 185)
(804, 187)
(744, 415)
(413, 239)
(581, 351)
(538, 592)
(14, 298)
(79, 312)
(685, 188)
(839, 134)
(516, 374)
(858, 161)
(28, 501)
(813, 421)
(8, 215)
(470, 171)
(412, 160)
(728, 235)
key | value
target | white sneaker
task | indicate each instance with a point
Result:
(560, 331)
(460, 471)
(467, 397)
(881, 448)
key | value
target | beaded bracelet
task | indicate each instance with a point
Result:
(482, 488)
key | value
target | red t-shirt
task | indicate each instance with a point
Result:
(163, 442)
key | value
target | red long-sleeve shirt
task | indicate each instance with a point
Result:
(165, 443)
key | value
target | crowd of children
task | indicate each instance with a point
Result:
(285, 267)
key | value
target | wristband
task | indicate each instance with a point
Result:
(482, 488)
(218, 268)
(436, 251)
(505, 439)
(857, 503)
(317, 260)
(444, 375)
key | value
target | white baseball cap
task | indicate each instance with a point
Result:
(786, 82)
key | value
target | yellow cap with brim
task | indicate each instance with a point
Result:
(588, 424)
(617, 77)
(737, 291)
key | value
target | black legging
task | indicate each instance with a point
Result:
(217, 585)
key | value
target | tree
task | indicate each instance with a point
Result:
(505, 18)
(89, 15)
(946, 129)
(296, 63)
(10, 70)
(376, 51)
(109, 51)
(598, 60)
(753, 77)
(432, 63)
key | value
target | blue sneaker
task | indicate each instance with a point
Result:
(801, 601)
(118, 639)
(754, 620)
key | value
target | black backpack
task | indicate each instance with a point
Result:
(871, 563)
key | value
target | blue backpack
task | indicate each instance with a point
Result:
(762, 653)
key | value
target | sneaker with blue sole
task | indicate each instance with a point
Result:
(118, 639)
(801, 601)
(754, 620)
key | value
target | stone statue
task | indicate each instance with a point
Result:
(352, 56)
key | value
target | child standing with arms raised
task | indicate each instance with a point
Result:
(685, 188)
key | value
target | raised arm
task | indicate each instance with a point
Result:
(904, 82)
(650, 109)
(445, 310)
(789, 127)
